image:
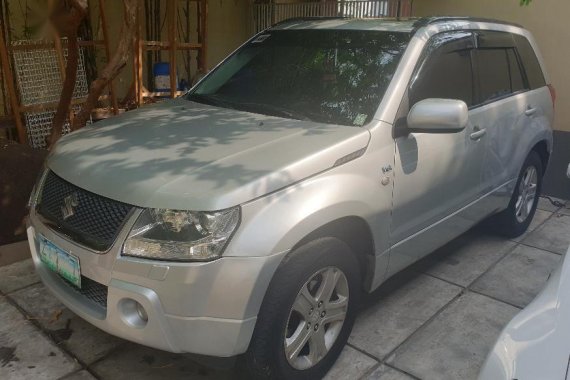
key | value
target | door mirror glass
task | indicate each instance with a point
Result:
(438, 116)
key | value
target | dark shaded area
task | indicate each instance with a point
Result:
(7, 355)
(556, 184)
(19, 168)
(61, 335)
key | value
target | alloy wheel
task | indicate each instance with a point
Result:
(316, 318)
(527, 194)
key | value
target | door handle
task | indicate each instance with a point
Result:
(479, 132)
(530, 111)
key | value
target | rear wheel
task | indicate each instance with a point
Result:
(514, 221)
(307, 313)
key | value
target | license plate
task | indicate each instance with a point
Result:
(60, 261)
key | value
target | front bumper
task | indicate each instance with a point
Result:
(202, 308)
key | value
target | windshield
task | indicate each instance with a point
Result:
(330, 76)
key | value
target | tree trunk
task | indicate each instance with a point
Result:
(114, 66)
(66, 18)
(66, 91)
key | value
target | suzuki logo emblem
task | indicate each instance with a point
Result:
(70, 202)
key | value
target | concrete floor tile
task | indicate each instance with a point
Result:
(552, 235)
(393, 313)
(139, 362)
(564, 211)
(84, 340)
(455, 344)
(27, 354)
(351, 364)
(383, 372)
(11, 253)
(465, 258)
(80, 375)
(540, 217)
(18, 275)
(519, 277)
(546, 205)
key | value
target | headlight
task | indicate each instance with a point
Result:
(176, 235)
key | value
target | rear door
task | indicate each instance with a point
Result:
(500, 104)
(507, 108)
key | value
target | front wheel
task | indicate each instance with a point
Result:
(307, 313)
(514, 221)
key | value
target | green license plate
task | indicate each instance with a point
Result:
(61, 262)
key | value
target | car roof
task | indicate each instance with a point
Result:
(379, 24)
(341, 23)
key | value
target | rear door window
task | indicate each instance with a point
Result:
(493, 74)
(497, 66)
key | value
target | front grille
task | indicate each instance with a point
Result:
(92, 290)
(92, 220)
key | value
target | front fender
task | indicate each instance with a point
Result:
(277, 222)
(273, 225)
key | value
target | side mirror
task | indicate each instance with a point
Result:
(438, 116)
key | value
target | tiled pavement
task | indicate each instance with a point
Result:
(436, 320)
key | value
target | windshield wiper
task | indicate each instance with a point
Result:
(275, 110)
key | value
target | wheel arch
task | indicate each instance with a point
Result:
(541, 148)
(356, 233)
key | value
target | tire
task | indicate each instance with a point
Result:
(266, 357)
(514, 221)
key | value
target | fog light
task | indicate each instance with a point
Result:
(133, 313)
(141, 312)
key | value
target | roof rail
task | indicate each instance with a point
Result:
(425, 21)
(312, 18)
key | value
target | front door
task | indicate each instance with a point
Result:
(437, 176)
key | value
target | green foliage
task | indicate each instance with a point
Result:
(525, 2)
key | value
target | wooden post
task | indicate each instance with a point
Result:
(203, 35)
(172, 44)
(108, 54)
(57, 43)
(138, 66)
(11, 89)
(59, 54)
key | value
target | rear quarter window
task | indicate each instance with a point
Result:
(530, 62)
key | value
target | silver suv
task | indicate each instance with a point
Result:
(319, 159)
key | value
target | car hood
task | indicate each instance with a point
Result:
(184, 155)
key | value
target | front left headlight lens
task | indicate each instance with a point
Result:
(176, 235)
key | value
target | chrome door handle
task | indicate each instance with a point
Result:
(479, 132)
(530, 111)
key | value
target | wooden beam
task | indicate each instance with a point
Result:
(51, 45)
(49, 106)
(5, 62)
(159, 45)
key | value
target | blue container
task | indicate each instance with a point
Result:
(161, 72)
